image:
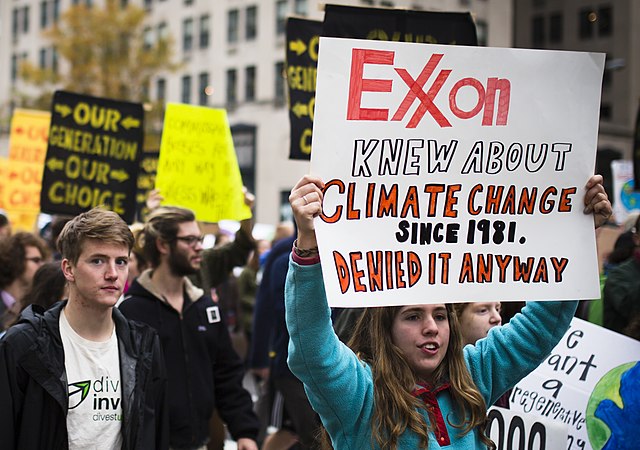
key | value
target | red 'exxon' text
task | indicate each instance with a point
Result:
(486, 92)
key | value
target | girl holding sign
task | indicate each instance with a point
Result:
(406, 381)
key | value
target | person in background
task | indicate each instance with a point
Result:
(621, 294)
(5, 226)
(248, 282)
(49, 286)
(203, 369)
(80, 375)
(268, 358)
(406, 380)
(476, 320)
(21, 254)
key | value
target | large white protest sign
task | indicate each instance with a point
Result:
(454, 173)
(513, 430)
(590, 383)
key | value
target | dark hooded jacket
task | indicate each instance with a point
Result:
(33, 384)
(203, 369)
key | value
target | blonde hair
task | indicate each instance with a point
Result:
(397, 410)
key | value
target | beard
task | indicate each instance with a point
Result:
(180, 265)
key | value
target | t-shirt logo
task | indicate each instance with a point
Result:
(213, 314)
(78, 392)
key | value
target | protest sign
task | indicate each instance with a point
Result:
(624, 197)
(359, 23)
(29, 135)
(146, 181)
(302, 59)
(454, 173)
(399, 25)
(585, 383)
(519, 431)
(198, 168)
(92, 156)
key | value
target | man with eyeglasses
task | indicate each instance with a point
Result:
(203, 369)
(21, 254)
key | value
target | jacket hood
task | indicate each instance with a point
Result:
(144, 281)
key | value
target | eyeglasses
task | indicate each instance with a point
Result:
(35, 259)
(191, 241)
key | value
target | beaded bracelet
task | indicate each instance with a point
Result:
(304, 252)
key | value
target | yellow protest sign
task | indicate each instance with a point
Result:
(4, 165)
(29, 135)
(20, 192)
(198, 168)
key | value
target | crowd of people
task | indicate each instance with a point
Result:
(118, 336)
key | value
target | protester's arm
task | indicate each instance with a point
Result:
(338, 384)
(511, 352)
(218, 262)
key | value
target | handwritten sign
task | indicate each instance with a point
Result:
(93, 155)
(29, 135)
(585, 383)
(198, 168)
(519, 431)
(454, 173)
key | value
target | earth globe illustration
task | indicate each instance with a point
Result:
(613, 411)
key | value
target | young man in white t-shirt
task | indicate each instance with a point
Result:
(81, 376)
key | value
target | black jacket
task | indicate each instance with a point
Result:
(203, 369)
(33, 384)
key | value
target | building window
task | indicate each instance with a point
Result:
(14, 67)
(386, 4)
(537, 31)
(250, 83)
(186, 89)
(203, 88)
(586, 17)
(232, 86)
(204, 31)
(279, 84)
(15, 18)
(147, 4)
(147, 38)
(300, 7)
(44, 14)
(25, 20)
(187, 34)
(56, 11)
(482, 31)
(281, 16)
(251, 24)
(161, 89)
(163, 31)
(54, 60)
(232, 25)
(605, 21)
(555, 28)
(188, 2)
(42, 60)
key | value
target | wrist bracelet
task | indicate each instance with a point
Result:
(304, 252)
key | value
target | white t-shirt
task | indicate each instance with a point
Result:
(94, 419)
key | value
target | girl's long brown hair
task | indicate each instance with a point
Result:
(396, 408)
